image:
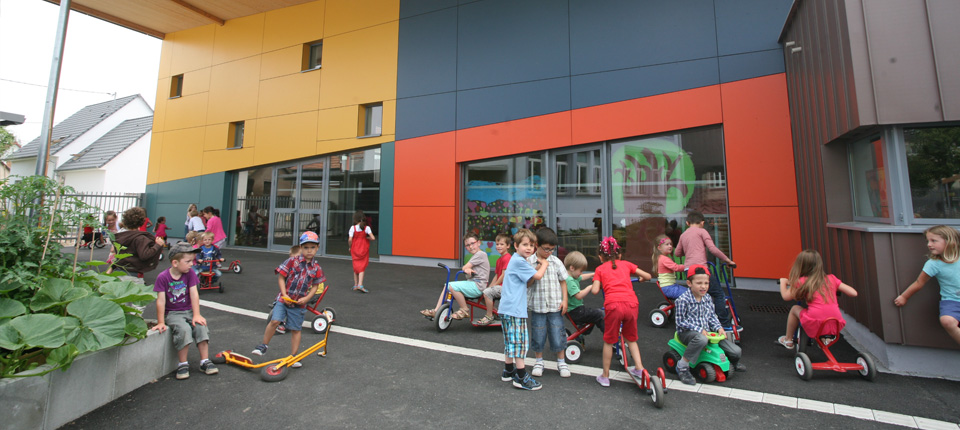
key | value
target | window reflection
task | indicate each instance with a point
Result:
(933, 162)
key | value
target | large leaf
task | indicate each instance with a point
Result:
(126, 291)
(55, 292)
(10, 308)
(9, 285)
(39, 330)
(101, 323)
(10, 338)
(63, 356)
(135, 327)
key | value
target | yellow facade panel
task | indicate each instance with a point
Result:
(166, 53)
(360, 67)
(343, 16)
(186, 112)
(234, 91)
(281, 62)
(153, 163)
(389, 118)
(238, 38)
(192, 49)
(196, 82)
(227, 159)
(289, 94)
(215, 138)
(293, 25)
(337, 123)
(338, 145)
(160, 103)
(181, 154)
(285, 137)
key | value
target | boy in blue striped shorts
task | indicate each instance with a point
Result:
(513, 310)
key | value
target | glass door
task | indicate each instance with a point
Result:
(354, 184)
(283, 211)
(580, 199)
(310, 205)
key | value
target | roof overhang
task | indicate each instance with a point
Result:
(7, 118)
(157, 18)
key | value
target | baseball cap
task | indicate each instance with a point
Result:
(692, 270)
(309, 237)
(182, 248)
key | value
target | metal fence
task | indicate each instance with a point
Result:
(104, 201)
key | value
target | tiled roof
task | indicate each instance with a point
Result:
(110, 145)
(74, 126)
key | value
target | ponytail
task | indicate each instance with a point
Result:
(610, 249)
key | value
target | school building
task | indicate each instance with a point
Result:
(787, 123)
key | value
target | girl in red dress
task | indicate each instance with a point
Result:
(360, 237)
(809, 283)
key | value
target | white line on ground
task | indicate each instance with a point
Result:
(672, 384)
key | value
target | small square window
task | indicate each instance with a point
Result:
(235, 135)
(371, 120)
(312, 54)
(176, 86)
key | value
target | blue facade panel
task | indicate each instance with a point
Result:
(385, 234)
(749, 25)
(171, 199)
(410, 8)
(751, 65)
(422, 116)
(509, 102)
(619, 85)
(427, 54)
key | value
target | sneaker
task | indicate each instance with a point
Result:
(209, 368)
(507, 376)
(537, 369)
(686, 377)
(730, 329)
(564, 370)
(527, 383)
(296, 365)
(261, 349)
(603, 381)
(183, 371)
(637, 373)
(281, 329)
(739, 367)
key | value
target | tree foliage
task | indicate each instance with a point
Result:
(932, 154)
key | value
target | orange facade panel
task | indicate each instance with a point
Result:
(514, 137)
(765, 240)
(426, 172)
(426, 231)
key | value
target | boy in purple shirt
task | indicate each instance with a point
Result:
(178, 307)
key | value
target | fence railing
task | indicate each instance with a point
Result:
(105, 201)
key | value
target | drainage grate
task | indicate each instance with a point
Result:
(770, 309)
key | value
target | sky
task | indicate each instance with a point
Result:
(99, 58)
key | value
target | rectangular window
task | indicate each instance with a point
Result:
(312, 54)
(933, 165)
(253, 205)
(371, 120)
(869, 178)
(235, 135)
(354, 185)
(176, 86)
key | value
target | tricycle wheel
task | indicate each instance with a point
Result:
(658, 318)
(320, 324)
(803, 366)
(663, 305)
(220, 284)
(237, 269)
(219, 358)
(706, 372)
(273, 373)
(670, 360)
(330, 314)
(573, 352)
(99, 243)
(656, 391)
(869, 371)
(442, 318)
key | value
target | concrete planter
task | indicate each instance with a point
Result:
(94, 379)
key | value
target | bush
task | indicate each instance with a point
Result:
(49, 311)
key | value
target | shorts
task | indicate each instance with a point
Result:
(585, 315)
(545, 326)
(493, 292)
(515, 340)
(673, 291)
(291, 317)
(618, 313)
(183, 332)
(468, 288)
(950, 308)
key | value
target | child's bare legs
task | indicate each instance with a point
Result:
(204, 348)
(517, 361)
(294, 341)
(461, 300)
(793, 321)
(607, 356)
(949, 324)
(359, 277)
(635, 353)
(488, 301)
(355, 280)
(271, 329)
(182, 354)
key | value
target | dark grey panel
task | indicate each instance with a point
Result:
(410, 8)
(945, 32)
(509, 102)
(427, 54)
(421, 116)
(505, 42)
(619, 34)
(749, 25)
(750, 65)
(600, 88)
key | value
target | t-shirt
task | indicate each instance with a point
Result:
(357, 227)
(215, 226)
(161, 230)
(502, 264)
(196, 224)
(616, 283)
(694, 243)
(207, 254)
(513, 296)
(948, 275)
(546, 295)
(481, 269)
(177, 291)
(300, 275)
(666, 271)
(573, 287)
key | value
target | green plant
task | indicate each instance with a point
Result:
(49, 311)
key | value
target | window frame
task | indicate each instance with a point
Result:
(235, 131)
(904, 177)
(366, 114)
(308, 61)
(176, 86)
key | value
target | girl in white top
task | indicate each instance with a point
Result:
(186, 224)
(195, 223)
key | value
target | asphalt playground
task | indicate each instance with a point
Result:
(387, 366)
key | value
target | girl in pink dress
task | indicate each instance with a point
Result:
(809, 283)
(360, 237)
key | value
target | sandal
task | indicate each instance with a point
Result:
(460, 314)
(786, 343)
(429, 313)
(485, 321)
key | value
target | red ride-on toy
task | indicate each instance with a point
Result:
(660, 316)
(444, 318)
(653, 385)
(576, 341)
(829, 332)
(235, 267)
(206, 276)
(324, 317)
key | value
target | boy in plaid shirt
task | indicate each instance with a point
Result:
(298, 277)
(547, 303)
(695, 316)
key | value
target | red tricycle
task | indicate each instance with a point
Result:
(209, 277)
(576, 341)
(323, 317)
(828, 333)
(444, 318)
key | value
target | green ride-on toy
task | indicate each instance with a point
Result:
(712, 364)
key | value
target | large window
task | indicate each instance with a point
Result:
(933, 164)
(354, 185)
(869, 178)
(253, 206)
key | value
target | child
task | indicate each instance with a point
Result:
(145, 249)
(810, 284)
(195, 223)
(513, 310)
(694, 243)
(282, 328)
(214, 224)
(547, 302)
(110, 222)
(178, 307)
(492, 292)
(576, 263)
(477, 270)
(666, 268)
(359, 241)
(146, 223)
(186, 224)
(694, 317)
(210, 253)
(944, 245)
(88, 234)
(620, 305)
(298, 278)
(161, 229)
